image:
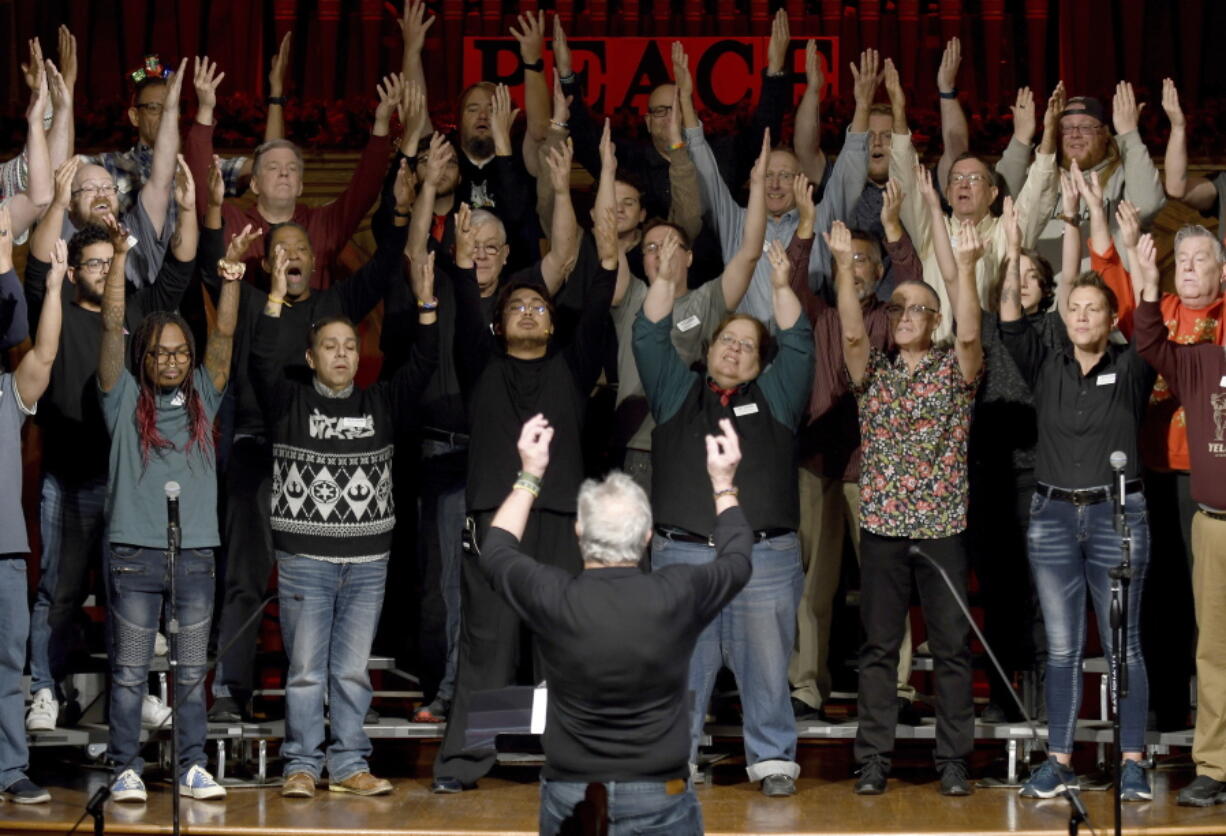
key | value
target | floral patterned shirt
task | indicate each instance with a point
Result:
(913, 429)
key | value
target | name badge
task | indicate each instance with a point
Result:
(353, 423)
(745, 409)
(691, 321)
(540, 701)
(1106, 379)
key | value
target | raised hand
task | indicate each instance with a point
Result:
(531, 36)
(34, 69)
(422, 278)
(927, 191)
(838, 239)
(1024, 119)
(217, 183)
(668, 254)
(533, 445)
(1013, 230)
(1087, 184)
(121, 238)
(389, 91)
(1125, 112)
(781, 265)
(561, 49)
(59, 88)
(279, 283)
(502, 117)
(968, 249)
(1051, 118)
(280, 63)
(561, 103)
(891, 207)
(723, 455)
(1170, 104)
(1146, 263)
(802, 190)
(681, 70)
(893, 85)
(206, 80)
(675, 137)
(174, 88)
(558, 158)
(59, 254)
(465, 237)
(866, 77)
(947, 73)
(781, 39)
(64, 176)
(441, 154)
(236, 250)
(414, 24)
(604, 230)
(757, 174)
(404, 189)
(1129, 220)
(185, 186)
(412, 116)
(39, 96)
(608, 149)
(813, 68)
(1070, 195)
(67, 45)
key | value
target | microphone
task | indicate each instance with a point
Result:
(172, 511)
(1119, 461)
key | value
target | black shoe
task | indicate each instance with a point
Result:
(908, 714)
(953, 778)
(25, 791)
(225, 710)
(872, 777)
(778, 786)
(803, 711)
(1202, 792)
(993, 713)
(446, 786)
(371, 718)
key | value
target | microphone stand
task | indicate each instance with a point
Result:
(1121, 578)
(1077, 809)
(173, 542)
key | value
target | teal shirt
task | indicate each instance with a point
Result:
(135, 494)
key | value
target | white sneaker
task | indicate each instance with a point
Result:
(199, 784)
(159, 645)
(44, 711)
(128, 787)
(153, 712)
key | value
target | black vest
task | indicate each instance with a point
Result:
(766, 477)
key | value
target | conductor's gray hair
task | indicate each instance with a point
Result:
(615, 518)
(1197, 231)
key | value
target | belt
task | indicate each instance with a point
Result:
(1213, 513)
(1085, 496)
(680, 535)
(434, 434)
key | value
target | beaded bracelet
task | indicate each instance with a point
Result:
(726, 492)
(527, 486)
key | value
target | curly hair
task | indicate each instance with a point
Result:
(141, 347)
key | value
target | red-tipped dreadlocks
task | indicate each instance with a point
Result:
(200, 429)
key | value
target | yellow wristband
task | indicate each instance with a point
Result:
(276, 300)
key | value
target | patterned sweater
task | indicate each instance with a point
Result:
(332, 455)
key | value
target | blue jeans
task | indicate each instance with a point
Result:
(14, 629)
(753, 636)
(138, 589)
(329, 612)
(72, 522)
(636, 808)
(1073, 547)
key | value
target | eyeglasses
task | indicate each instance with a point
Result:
(728, 340)
(178, 356)
(654, 248)
(660, 111)
(537, 310)
(974, 178)
(781, 176)
(487, 249)
(915, 311)
(95, 264)
(100, 188)
(859, 258)
(152, 108)
(1080, 130)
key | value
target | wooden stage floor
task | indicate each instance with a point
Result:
(507, 804)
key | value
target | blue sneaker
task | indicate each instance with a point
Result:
(129, 787)
(1134, 785)
(199, 784)
(1050, 779)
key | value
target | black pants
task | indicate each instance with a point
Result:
(490, 636)
(247, 535)
(998, 519)
(886, 573)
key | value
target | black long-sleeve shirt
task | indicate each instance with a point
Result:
(1082, 418)
(14, 315)
(615, 643)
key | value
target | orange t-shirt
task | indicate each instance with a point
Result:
(1164, 432)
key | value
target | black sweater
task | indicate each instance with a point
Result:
(332, 457)
(615, 645)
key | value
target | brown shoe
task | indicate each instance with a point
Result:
(362, 783)
(298, 785)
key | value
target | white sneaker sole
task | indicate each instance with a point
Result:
(40, 725)
(131, 796)
(202, 793)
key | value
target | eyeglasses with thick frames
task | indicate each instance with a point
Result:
(95, 265)
(99, 188)
(914, 311)
(535, 310)
(1080, 130)
(974, 178)
(177, 357)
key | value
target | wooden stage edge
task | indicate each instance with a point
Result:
(508, 805)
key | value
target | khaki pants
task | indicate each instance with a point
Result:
(827, 508)
(1209, 592)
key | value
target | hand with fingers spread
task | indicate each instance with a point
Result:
(280, 63)
(561, 49)
(1170, 104)
(806, 210)
(1051, 119)
(67, 47)
(185, 186)
(781, 40)
(559, 158)
(781, 265)
(533, 445)
(1125, 112)
(1129, 220)
(121, 238)
(669, 248)
(237, 249)
(389, 97)
(866, 78)
(414, 25)
(502, 116)
(723, 456)
(838, 239)
(968, 249)
(927, 191)
(531, 36)
(206, 80)
(951, 60)
(891, 209)
(814, 79)
(1024, 118)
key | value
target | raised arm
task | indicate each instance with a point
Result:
(24, 207)
(740, 268)
(34, 371)
(934, 221)
(198, 148)
(533, 446)
(110, 353)
(1091, 192)
(43, 239)
(187, 229)
(414, 24)
(531, 37)
(968, 317)
(442, 154)
(63, 129)
(558, 263)
(685, 209)
(807, 137)
(658, 303)
(556, 133)
(955, 135)
(1141, 183)
(851, 313)
(1011, 285)
(155, 195)
(1195, 191)
(220, 345)
(274, 126)
(786, 304)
